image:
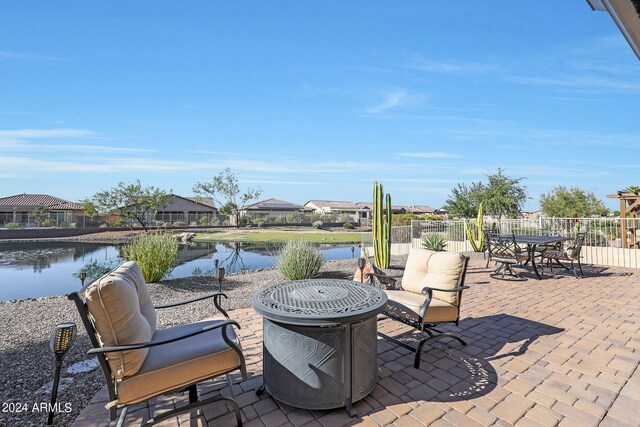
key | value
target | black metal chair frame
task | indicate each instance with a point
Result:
(577, 243)
(420, 325)
(504, 250)
(194, 402)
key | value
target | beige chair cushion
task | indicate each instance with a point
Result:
(122, 313)
(434, 269)
(180, 363)
(407, 305)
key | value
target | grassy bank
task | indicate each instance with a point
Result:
(317, 236)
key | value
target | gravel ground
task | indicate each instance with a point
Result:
(26, 362)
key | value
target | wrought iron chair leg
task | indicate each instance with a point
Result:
(416, 363)
(580, 267)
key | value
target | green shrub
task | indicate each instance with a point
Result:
(434, 242)
(299, 260)
(317, 224)
(260, 222)
(155, 254)
(344, 217)
(118, 223)
(12, 225)
(203, 220)
(214, 221)
(178, 223)
(348, 226)
(68, 225)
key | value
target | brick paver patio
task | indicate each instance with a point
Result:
(559, 351)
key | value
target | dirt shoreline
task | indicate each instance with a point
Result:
(27, 363)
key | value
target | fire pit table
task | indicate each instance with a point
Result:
(320, 341)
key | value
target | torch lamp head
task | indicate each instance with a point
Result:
(362, 263)
(215, 263)
(62, 338)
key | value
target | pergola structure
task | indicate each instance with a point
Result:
(629, 209)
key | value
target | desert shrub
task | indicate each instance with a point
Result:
(260, 222)
(226, 222)
(103, 225)
(299, 260)
(294, 217)
(317, 224)
(203, 220)
(214, 221)
(344, 217)
(156, 254)
(48, 222)
(434, 242)
(193, 224)
(348, 226)
(403, 219)
(178, 223)
(118, 223)
(12, 225)
(68, 225)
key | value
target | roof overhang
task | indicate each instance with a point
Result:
(626, 15)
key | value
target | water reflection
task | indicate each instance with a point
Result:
(52, 268)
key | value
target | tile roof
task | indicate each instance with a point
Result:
(39, 200)
(274, 204)
(335, 204)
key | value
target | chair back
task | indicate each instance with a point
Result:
(576, 247)
(502, 246)
(444, 270)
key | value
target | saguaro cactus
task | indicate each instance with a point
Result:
(381, 228)
(476, 236)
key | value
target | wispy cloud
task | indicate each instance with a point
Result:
(453, 67)
(428, 155)
(587, 83)
(5, 54)
(46, 133)
(395, 99)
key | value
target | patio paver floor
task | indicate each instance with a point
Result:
(559, 351)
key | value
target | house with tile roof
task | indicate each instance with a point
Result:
(18, 208)
(355, 211)
(272, 208)
(187, 210)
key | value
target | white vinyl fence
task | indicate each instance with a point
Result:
(604, 243)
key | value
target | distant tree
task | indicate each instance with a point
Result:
(89, 209)
(40, 214)
(225, 191)
(227, 209)
(569, 202)
(503, 195)
(463, 201)
(131, 201)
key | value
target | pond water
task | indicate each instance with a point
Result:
(31, 270)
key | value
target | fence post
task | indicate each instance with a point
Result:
(539, 223)
(411, 233)
(464, 233)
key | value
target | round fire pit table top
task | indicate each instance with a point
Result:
(319, 302)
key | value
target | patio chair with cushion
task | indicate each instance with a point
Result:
(140, 362)
(504, 250)
(571, 254)
(431, 294)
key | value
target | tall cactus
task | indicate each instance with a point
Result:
(381, 228)
(476, 237)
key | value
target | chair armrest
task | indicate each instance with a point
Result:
(426, 289)
(168, 340)
(175, 304)
(216, 302)
(381, 276)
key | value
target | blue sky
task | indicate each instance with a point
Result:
(316, 100)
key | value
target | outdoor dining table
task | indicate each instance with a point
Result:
(319, 341)
(532, 243)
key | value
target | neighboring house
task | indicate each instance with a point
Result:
(394, 208)
(422, 210)
(186, 210)
(19, 207)
(532, 215)
(272, 208)
(356, 211)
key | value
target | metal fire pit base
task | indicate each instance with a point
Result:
(320, 367)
